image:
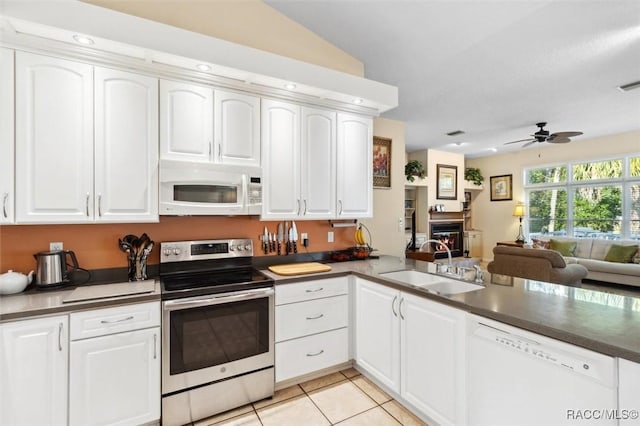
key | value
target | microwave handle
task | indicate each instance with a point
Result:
(174, 305)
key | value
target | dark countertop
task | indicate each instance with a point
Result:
(603, 319)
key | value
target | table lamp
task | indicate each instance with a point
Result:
(519, 213)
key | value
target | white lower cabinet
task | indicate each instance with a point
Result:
(33, 371)
(628, 391)
(413, 346)
(312, 326)
(115, 376)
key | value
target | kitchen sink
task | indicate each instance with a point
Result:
(434, 283)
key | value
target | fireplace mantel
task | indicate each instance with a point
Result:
(447, 216)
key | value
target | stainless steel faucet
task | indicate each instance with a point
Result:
(479, 276)
(450, 268)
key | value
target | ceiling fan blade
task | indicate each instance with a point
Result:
(559, 140)
(521, 140)
(529, 143)
(565, 134)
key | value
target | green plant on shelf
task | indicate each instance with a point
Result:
(474, 175)
(414, 169)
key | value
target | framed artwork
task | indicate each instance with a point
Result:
(501, 187)
(446, 182)
(381, 162)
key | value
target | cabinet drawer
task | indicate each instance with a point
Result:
(308, 290)
(310, 317)
(308, 354)
(100, 322)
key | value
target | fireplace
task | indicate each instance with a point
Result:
(449, 233)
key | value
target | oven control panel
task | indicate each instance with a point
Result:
(177, 251)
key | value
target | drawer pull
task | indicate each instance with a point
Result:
(316, 317)
(316, 290)
(155, 346)
(317, 353)
(118, 320)
(60, 337)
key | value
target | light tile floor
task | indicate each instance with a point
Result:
(345, 398)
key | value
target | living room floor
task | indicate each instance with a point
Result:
(346, 398)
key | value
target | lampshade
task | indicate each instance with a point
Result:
(519, 210)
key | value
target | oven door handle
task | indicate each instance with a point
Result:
(174, 305)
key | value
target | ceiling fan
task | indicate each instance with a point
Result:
(543, 135)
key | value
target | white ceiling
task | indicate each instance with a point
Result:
(491, 68)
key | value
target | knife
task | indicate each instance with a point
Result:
(280, 238)
(265, 241)
(287, 248)
(294, 236)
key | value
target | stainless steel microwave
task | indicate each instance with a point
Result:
(192, 188)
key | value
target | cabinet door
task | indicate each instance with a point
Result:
(628, 391)
(237, 128)
(378, 332)
(354, 162)
(54, 140)
(475, 244)
(33, 371)
(318, 164)
(186, 121)
(126, 147)
(433, 362)
(7, 142)
(281, 160)
(115, 379)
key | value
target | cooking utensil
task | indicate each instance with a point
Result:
(294, 236)
(280, 238)
(52, 268)
(272, 242)
(287, 247)
(265, 241)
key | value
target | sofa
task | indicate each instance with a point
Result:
(535, 264)
(592, 254)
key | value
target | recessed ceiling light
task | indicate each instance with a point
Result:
(630, 86)
(455, 133)
(458, 144)
(290, 86)
(203, 67)
(83, 39)
(493, 149)
(358, 101)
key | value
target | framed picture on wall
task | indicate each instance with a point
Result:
(446, 182)
(381, 162)
(501, 187)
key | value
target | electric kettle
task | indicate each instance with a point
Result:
(52, 268)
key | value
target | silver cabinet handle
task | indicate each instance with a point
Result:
(5, 196)
(316, 317)
(86, 204)
(118, 320)
(210, 144)
(305, 208)
(316, 290)
(400, 308)
(60, 337)
(340, 211)
(317, 353)
(100, 205)
(219, 151)
(299, 206)
(393, 303)
(155, 346)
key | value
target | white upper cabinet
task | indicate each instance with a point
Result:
(354, 167)
(280, 159)
(237, 128)
(318, 164)
(54, 140)
(186, 121)
(126, 147)
(7, 143)
(202, 124)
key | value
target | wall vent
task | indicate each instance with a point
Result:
(455, 133)
(630, 86)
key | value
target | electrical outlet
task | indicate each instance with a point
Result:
(304, 236)
(55, 246)
(330, 236)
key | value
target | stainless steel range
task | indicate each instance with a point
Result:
(217, 329)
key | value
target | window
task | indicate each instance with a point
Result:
(594, 199)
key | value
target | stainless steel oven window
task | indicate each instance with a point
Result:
(212, 194)
(214, 335)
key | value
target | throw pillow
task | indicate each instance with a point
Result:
(565, 248)
(540, 244)
(621, 254)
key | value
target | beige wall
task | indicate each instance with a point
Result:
(388, 204)
(495, 218)
(247, 22)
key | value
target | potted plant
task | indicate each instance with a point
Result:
(414, 169)
(474, 175)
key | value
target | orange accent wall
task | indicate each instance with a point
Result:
(96, 245)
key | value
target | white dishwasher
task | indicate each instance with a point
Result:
(517, 377)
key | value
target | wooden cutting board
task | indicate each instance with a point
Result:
(299, 268)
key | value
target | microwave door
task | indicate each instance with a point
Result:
(203, 197)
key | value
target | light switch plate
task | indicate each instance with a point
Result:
(330, 236)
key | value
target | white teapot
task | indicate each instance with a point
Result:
(14, 282)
